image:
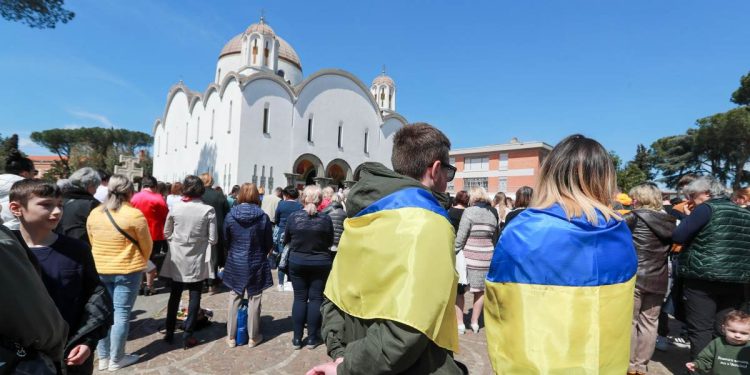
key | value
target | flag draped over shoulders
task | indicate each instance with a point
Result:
(395, 261)
(559, 296)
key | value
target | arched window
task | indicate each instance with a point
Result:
(367, 138)
(213, 118)
(280, 73)
(255, 50)
(197, 130)
(229, 124)
(265, 55)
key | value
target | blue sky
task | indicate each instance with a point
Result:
(622, 72)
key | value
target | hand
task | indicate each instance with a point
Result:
(690, 366)
(326, 368)
(78, 355)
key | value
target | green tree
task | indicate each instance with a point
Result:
(7, 144)
(742, 95)
(60, 142)
(628, 175)
(40, 14)
(644, 161)
(674, 156)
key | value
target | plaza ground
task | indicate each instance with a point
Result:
(275, 355)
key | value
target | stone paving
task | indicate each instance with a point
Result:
(275, 355)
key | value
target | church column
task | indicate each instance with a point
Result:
(323, 181)
(291, 178)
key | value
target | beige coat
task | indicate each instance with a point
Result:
(190, 230)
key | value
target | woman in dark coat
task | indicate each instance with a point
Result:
(248, 232)
(78, 202)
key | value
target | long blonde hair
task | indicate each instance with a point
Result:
(311, 198)
(579, 175)
(120, 190)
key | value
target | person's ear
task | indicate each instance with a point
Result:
(15, 208)
(435, 169)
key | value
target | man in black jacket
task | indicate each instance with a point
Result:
(78, 202)
(219, 202)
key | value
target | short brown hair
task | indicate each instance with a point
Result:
(523, 196)
(248, 194)
(736, 315)
(23, 190)
(192, 187)
(176, 188)
(462, 198)
(416, 147)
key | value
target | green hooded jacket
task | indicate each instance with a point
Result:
(379, 346)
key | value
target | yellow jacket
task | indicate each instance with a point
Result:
(113, 253)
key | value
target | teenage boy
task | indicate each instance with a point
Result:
(67, 268)
(391, 292)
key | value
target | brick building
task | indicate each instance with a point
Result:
(43, 163)
(498, 168)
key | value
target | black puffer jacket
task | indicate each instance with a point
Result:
(77, 205)
(652, 237)
(336, 211)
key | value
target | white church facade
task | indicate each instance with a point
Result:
(262, 121)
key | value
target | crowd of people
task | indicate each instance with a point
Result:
(570, 276)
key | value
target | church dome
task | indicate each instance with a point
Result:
(234, 45)
(288, 53)
(383, 79)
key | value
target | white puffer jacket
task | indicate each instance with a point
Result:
(6, 181)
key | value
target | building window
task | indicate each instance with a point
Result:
(197, 130)
(187, 129)
(266, 111)
(503, 160)
(341, 135)
(452, 160)
(475, 182)
(310, 129)
(218, 75)
(213, 118)
(476, 164)
(503, 184)
(229, 124)
(367, 146)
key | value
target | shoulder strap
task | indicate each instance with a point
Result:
(129, 237)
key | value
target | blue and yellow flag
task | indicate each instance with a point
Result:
(395, 261)
(559, 296)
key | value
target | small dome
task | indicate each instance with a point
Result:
(288, 53)
(383, 79)
(234, 45)
(260, 27)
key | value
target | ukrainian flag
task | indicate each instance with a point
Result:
(559, 296)
(396, 261)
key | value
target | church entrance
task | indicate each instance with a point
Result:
(307, 167)
(338, 171)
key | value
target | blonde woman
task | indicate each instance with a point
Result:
(652, 235)
(121, 245)
(309, 236)
(498, 203)
(559, 295)
(475, 240)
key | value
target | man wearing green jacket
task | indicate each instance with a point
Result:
(389, 299)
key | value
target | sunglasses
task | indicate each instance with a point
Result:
(450, 171)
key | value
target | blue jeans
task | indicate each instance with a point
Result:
(124, 290)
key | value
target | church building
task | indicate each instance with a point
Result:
(263, 121)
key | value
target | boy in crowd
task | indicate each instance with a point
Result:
(67, 268)
(729, 354)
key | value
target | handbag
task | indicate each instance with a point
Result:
(284, 260)
(242, 337)
(124, 233)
